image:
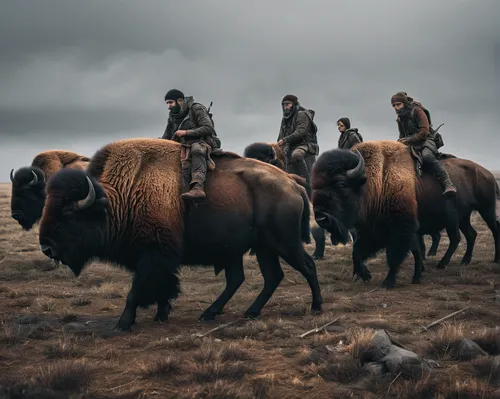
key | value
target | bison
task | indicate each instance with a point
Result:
(373, 190)
(28, 183)
(477, 190)
(273, 154)
(126, 208)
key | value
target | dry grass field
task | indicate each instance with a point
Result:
(56, 337)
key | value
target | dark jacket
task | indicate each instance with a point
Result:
(349, 138)
(196, 121)
(299, 130)
(416, 129)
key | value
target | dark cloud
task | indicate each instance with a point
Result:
(80, 74)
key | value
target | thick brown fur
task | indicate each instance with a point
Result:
(28, 199)
(52, 161)
(380, 203)
(139, 221)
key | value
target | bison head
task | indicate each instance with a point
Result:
(263, 152)
(28, 195)
(338, 177)
(73, 220)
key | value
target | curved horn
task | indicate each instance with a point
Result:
(358, 170)
(12, 176)
(89, 199)
(33, 182)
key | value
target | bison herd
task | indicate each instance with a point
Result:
(123, 205)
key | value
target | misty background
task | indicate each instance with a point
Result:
(77, 75)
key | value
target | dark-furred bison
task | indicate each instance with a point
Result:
(373, 190)
(28, 183)
(127, 209)
(266, 152)
(477, 190)
(273, 154)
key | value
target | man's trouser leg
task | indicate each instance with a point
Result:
(429, 160)
(298, 163)
(198, 172)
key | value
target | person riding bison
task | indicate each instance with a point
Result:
(415, 131)
(190, 123)
(297, 136)
(349, 137)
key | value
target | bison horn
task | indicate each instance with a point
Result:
(33, 182)
(89, 199)
(358, 170)
(12, 176)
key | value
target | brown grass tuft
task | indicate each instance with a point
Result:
(162, 368)
(66, 376)
(445, 340)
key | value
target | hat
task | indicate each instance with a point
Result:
(400, 97)
(174, 95)
(291, 98)
(346, 122)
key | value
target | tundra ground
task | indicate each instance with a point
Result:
(56, 337)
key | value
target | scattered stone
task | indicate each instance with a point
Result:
(379, 347)
(467, 349)
(383, 305)
(409, 364)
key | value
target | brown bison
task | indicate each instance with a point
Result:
(374, 191)
(273, 154)
(477, 190)
(28, 183)
(127, 209)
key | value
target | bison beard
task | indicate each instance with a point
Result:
(148, 230)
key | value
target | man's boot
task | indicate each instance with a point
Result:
(444, 179)
(198, 176)
(196, 192)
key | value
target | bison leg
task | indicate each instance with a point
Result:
(470, 235)
(490, 218)
(272, 273)
(360, 252)
(418, 258)
(436, 239)
(319, 235)
(155, 281)
(305, 265)
(421, 243)
(454, 237)
(234, 278)
(401, 242)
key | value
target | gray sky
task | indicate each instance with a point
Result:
(77, 75)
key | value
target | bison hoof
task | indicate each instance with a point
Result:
(316, 309)
(465, 261)
(431, 252)
(387, 284)
(161, 317)
(441, 265)
(415, 281)
(207, 317)
(251, 315)
(123, 326)
(318, 257)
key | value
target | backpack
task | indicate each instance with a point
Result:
(217, 143)
(437, 136)
(313, 147)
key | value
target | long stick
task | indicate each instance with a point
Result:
(427, 327)
(318, 329)
(218, 328)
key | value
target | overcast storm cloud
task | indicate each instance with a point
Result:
(77, 75)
